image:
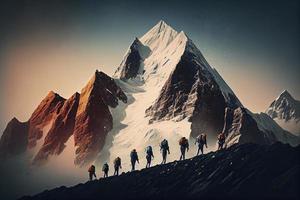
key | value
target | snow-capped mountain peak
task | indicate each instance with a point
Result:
(284, 107)
(159, 37)
(285, 110)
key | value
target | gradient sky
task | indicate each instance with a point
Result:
(58, 45)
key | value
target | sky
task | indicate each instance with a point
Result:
(58, 45)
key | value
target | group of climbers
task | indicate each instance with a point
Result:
(164, 149)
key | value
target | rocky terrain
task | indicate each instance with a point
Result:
(247, 171)
(55, 120)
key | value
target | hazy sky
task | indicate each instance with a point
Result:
(58, 46)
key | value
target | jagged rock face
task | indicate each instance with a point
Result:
(240, 127)
(191, 92)
(284, 107)
(93, 118)
(42, 116)
(60, 131)
(14, 138)
(130, 66)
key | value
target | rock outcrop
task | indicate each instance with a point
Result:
(60, 131)
(93, 118)
(42, 116)
(192, 91)
(14, 139)
(240, 127)
(86, 116)
(130, 66)
(247, 171)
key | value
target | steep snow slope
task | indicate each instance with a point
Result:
(133, 130)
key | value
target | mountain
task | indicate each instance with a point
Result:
(60, 131)
(217, 175)
(14, 139)
(43, 116)
(285, 110)
(163, 89)
(174, 92)
(93, 119)
(85, 116)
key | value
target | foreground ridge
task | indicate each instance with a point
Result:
(241, 171)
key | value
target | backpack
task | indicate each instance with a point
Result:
(149, 150)
(117, 161)
(203, 138)
(133, 155)
(182, 141)
(91, 169)
(164, 144)
(105, 167)
(222, 136)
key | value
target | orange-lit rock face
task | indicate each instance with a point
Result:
(43, 115)
(93, 118)
(60, 131)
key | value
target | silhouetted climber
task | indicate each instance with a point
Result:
(149, 156)
(164, 148)
(92, 172)
(105, 170)
(221, 141)
(117, 165)
(201, 140)
(134, 158)
(184, 145)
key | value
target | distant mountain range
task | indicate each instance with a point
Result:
(163, 88)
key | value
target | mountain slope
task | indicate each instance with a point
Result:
(61, 130)
(14, 139)
(55, 120)
(246, 171)
(93, 119)
(285, 110)
(177, 93)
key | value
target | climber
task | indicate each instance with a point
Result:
(221, 141)
(149, 156)
(117, 165)
(184, 145)
(134, 158)
(92, 172)
(164, 148)
(105, 170)
(201, 140)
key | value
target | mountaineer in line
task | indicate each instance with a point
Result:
(201, 140)
(117, 165)
(134, 158)
(149, 156)
(164, 148)
(184, 145)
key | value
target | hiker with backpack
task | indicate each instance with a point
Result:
(201, 140)
(149, 156)
(105, 170)
(134, 158)
(92, 172)
(221, 141)
(117, 165)
(184, 145)
(164, 149)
